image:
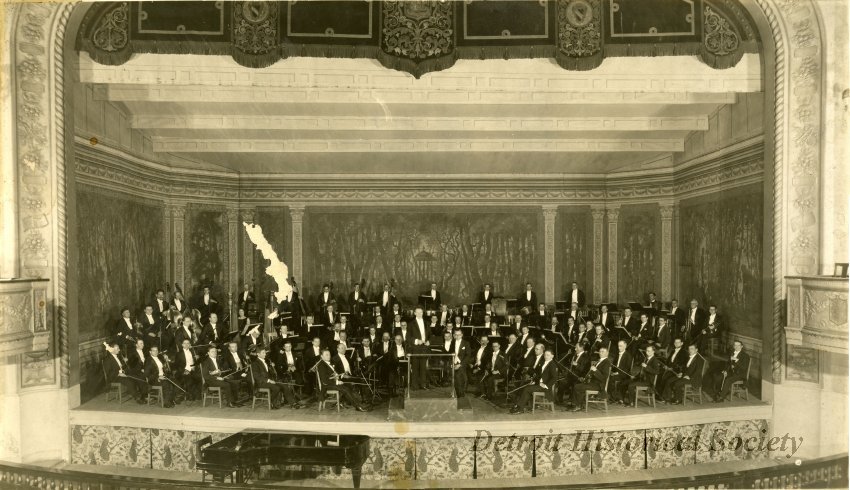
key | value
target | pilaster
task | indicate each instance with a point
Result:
(178, 213)
(550, 211)
(666, 210)
(613, 215)
(247, 249)
(296, 213)
(597, 211)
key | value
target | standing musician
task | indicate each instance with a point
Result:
(157, 373)
(161, 306)
(215, 332)
(543, 381)
(630, 323)
(541, 318)
(485, 296)
(329, 379)
(735, 369)
(357, 305)
(605, 319)
(460, 349)
(433, 299)
(654, 306)
(207, 305)
(649, 368)
(528, 299)
(325, 298)
(695, 322)
(446, 362)
(576, 295)
(265, 377)
(594, 381)
(496, 369)
(246, 298)
(663, 336)
(420, 340)
(444, 317)
(465, 315)
(117, 371)
(677, 317)
(621, 373)
(312, 355)
(187, 370)
(387, 302)
(691, 373)
(395, 356)
(151, 325)
(213, 375)
(712, 330)
(123, 331)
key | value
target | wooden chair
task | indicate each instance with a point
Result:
(646, 392)
(213, 469)
(742, 387)
(259, 394)
(692, 392)
(211, 392)
(155, 394)
(324, 400)
(539, 399)
(115, 390)
(592, 396)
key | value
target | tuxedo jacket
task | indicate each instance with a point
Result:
(582, 364)
(664, 337)
(152, 371)
(113, 367)
(210, 335)
(501, 364)
(163, 311)
(360, 302)
(548, 376)
(229, 364)
(122, 332)
(147, 325)
(180, 360)
(632, 324)
(679, 360)
(261, 373)
(322, 305)
(484, 301)
(134, 362)
(580, 297)
(241, 302)
(433, 303)
(739, 367)
(207, 368)
(608, 323)
(524, 302)
(463, 352)
(624, 366)
(338, 365)
(603, 370)
(694, 371)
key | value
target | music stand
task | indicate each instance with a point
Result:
(636, 307)
(423, 300)
(315, 330)
(561, 306)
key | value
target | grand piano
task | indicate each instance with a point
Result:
(242, 454)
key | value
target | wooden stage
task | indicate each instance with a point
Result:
(485, 416)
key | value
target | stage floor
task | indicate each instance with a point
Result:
(485, 416)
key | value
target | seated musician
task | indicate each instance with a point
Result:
(136, 358)
(396, 325)
(528, 299)
(488, 323)
(529, 356)
(395, 312)
(180, 304)
(541, 318)
(734, 369)
(365, 354)
(663, 336)
(690, 373)
(402, 330)
(674, 363)
(460, 349)
(517, 324)
(234, 361)
(151, 325)
(497, 367)
(630, 323)
(187, 371)
(434, 327)
(373, 335)
(644, 335)
(160, 305)
(575, 314)
(578, 369)
(156, 375)
(265, 376)
(330, 380)
(621, 373)
(648, 369)
(465, 315)
(213, 375)
(117, 371)
(583, 334)
(344, 326)
(289, 364)
(252, 342)
(524, 335)
(309, 323)
(343, 339)
(605, 319)
(214, 331)
(444, 318)
(397, 368)
(458, 322)
(312, 355)
(600, 339)
(382, 353)
(513, 352)
(344, 365)
(543, 380)
(570, 331)
(594, 381)
(486, 315)
(712, 331)
(479, 360)
(494, 330)
(331, 335)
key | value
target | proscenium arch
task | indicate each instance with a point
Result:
(41, 62)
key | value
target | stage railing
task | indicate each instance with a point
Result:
(826, 472)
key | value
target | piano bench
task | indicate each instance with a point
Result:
(213, 393)
(155, 393)
(262, 395)
(334, 398)
(539, 400)
(592, 396)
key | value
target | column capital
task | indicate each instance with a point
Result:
(597, 211)
(666, 210)
(178, 210)
(296, 212)
(247, 214)
(613, 212)
(232, 214)
(550, 211)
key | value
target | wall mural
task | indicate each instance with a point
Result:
(721, 256)
(639, 255)
(206, 236)
(458, 251)
(120, 258)
(575, 253)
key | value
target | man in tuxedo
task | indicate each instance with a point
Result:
(574, 313)
(156, 376)
(330, 317)
(576, 295)
(460, 349)
(649, 369)
(446, 362)
(653, 307)
(325, 298)
(605, 319)
(215, 332)
(444, 318)
(599, 373)
(364, 355)
(396, 368)
(136, 359)
(357, 304)
(579, 366)
(151, 325)
(465, 315)
(187, 370)
(252, 342)
(213, 375)
(485, 296)
(433, 300)
(386, 302)
(675, 361)
(123, 332)
(330, 380)
(544, 379)
(528, 299)
(117, 371)
(263, 376)
(677, 317)
(644, 335)
(180, 304)
(695, 322)
(621, 374)
(207, 305)
(232, 361)
(530, 355)
(540, 319)
(420, 340)
(712, 330)
(311, 355)
(246, 298)
(161, 305)
(496, 369)
(517, 325)
(343, 365)
(630, 323)
(601, 339)
(691, 374)
(663, 336)
(734, 369)
(513, 352)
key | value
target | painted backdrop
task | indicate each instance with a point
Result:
(459, 251)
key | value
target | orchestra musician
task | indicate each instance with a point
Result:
(161, 306)
(312, 354)
(265, 377)
(734, 369)
(605, 319)
(530, 355)
(695, 322)
(329, 379)
(214, 332)
(151, 325)
(117, 371)
(495, 370)
(387, 303)
(649, 368)
(444, 317)
(583, 334)
(206, 305)
(124, 332)
(373, 335)
(690, 372)
(357, 304)
(342, 365)
(179, 304)
(653, 306)
(396, 355)
(365, 355)
(420, 344)
(677, 316)
(643, 336)
(712, 330)
(478, 363)
(630, 323)
(541, 317)
(156, 374)
(663, 336)
(621, 374)
(543, 381)
(329, 317)
(325, 299)
(433, 300)
(460, 349)
(513, 351)
(233, 361)
(674, 365)
(213, 375)
(187, 371)
(485, 296)
(246, 298)
(528, 299)
(601, 338)
(186, 332)
(446, 362)
(594, 381)
(575, 314)
(576, 295)
(136, 358)
(578, 368)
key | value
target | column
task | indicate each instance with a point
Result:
(166, 239)
(549, 213)
(613, 215)
(178, 212)
(296, 212)
(597, 211)
(247, 249)
(666, 210)
(675, 252)
(232, 250)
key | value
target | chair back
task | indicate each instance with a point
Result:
(747, 376)
(607, 379)
(253, 384)
(103, 368)
(318, 380)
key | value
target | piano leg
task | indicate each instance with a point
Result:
(355, 475)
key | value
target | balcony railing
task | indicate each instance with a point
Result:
(817, 312)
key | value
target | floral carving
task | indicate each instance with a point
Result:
(112, 33)
(418, 30)
(255, 26)
(579, 27)
(718, 35)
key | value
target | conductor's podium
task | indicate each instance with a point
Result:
(435, 404)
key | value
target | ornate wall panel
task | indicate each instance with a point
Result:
(720, 260)
(120, 257)
(574, 248)
(460, 251)
(640, 253)
(206, 249)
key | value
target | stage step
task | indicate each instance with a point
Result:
(420, 409)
